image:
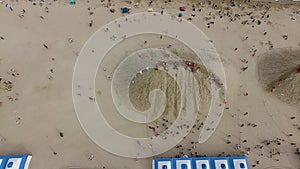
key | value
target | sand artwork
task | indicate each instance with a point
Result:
(136, 86)
(279, 74)
(115, 84)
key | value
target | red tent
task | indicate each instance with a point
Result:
(182, 8)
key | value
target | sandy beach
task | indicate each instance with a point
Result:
(257, 42)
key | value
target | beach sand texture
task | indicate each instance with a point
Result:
(277, 71)
(38, 52)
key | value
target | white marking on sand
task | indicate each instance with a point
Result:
(88, 112)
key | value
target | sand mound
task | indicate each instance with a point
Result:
(288, 90)
(278, 74)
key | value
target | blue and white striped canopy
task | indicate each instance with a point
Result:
(15, 162)
(234, 162)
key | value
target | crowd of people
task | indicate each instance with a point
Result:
(212, 11)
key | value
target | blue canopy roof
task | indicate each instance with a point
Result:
(15, 162)
(235, 162)
(125, 10)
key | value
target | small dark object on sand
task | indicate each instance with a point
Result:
(112, 10)
(45, 46)
(244, 68)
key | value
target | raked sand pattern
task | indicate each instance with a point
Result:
(40, 43)
(89, 113)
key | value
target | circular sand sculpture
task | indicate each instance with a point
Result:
(146, 81)
(279, 74)
(124, 76)
(93, 106)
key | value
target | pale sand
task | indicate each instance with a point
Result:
(277, 72)
(111, 114)
(289, 90)
(90, 114)
(45, 106)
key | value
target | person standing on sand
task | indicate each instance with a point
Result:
(244, 68)
(9, 6)
(91, 23)
(45, 46)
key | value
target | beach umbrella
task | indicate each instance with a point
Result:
(180, 14)
(125, 10)
(72, 2)
(150, 9)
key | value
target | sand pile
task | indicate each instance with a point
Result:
(278, 74)
(288, 89)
